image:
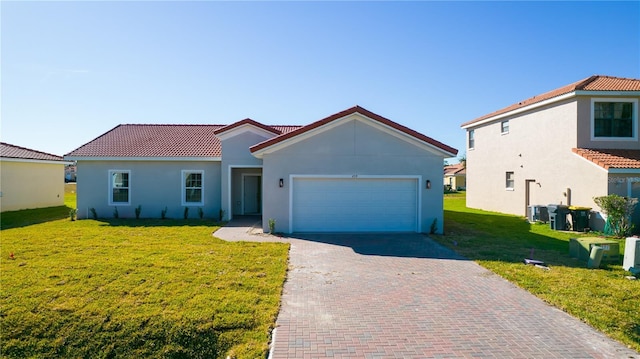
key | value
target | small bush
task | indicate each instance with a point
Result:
(200, 212)
(163, 213)
(619, 211)
(94, 214)
(138, 210)
(221, 214)
(272, 225)
(72, 214)
(186, 212)
(115, 213)
(434, 226)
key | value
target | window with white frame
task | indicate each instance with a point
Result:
(192, 188)
(614, 118)
(504, 127)
(119, 187)
(510, 180)
(472, 140)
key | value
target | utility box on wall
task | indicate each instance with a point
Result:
(581, 248)
(631, 253)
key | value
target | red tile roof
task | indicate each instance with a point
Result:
(160, 141)
(352, 110)
(593, 83)
(12, 151)
(623, 159)
(154, 141)
(201, 140)
(457, 169)
(248, 121)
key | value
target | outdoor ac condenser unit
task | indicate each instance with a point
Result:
(631, 253)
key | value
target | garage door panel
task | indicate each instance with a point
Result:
(347, 204)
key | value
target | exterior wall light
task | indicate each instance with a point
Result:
(428, 184)
(281, 182)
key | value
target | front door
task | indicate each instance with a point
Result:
(252, 194)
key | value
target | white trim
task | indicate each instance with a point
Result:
(229, 178)
(113, 158)
(358, 117)
(110, 188)
(520, 110)
(183, 188)
(417, 178)
(247, 127)
(634, 119)
(243, 175)
(30, 160)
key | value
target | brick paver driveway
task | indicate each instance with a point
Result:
(404, 296)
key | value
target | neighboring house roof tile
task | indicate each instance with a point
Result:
(12, 151)
(611, 158)
(352, 110)
(457, 169)
(159, 141)
(593, 83)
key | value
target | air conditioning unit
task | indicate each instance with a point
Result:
(631, 253)
(538, 213)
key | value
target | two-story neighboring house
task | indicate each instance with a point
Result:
(565, 146)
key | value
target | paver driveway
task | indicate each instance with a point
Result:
(405, 296)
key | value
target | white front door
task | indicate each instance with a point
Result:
(252, 194)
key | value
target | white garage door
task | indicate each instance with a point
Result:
(354, 205)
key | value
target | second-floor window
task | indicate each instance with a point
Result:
(504, 127)
(472, 141)
(614, 119)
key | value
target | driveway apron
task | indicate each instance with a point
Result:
(405, 296)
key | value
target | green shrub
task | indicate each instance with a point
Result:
(272, 225)
(94, 214)
(619, 211)
(138, 210)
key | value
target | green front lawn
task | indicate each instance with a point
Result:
(133, 289)
(604, 298)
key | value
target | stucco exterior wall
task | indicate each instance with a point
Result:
(352, 148)
(537, 147)
(26, 185)
(154, 185)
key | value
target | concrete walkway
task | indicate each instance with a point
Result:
(405, 296)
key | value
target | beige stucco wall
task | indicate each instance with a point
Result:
(31, 184)
(154, 185)
(351, 148)
(537, 147)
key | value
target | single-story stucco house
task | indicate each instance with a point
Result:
(30, 179)
(352, 171)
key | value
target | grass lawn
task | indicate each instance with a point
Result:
(133, 288)
(602, 298)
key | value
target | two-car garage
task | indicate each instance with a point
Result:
(354, 204)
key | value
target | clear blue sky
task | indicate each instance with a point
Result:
(73, 70)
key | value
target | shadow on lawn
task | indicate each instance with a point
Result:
(28, 217)
(499, 237)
